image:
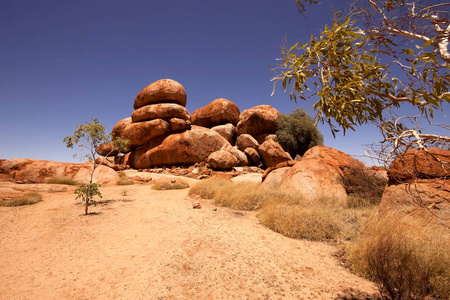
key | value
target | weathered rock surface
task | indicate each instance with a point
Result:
(218, 112)
(228, 131)
(272, 153)
(106, 149)
(245, 141)
(179, 125)
(415, 163)
(38, 171)
(258, 120)
(261, 138)
(189, 147)
(142, 132)
(419, 185)
(253, 156)
(120, 126)
(160, 111)
(313, 178)
(425, 198)
(222, 160)
(161, 91)
(242, 159)
(333, 157)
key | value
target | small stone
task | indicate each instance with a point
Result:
(196, 205)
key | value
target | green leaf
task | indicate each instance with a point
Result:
(408, 51)
(428, 43)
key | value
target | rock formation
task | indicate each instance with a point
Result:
(419, 184)
(318, 174)
(161, 134)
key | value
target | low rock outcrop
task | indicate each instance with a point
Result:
(419, 185)
(38, 171)
(318, 174)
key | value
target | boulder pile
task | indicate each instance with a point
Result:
(162, 132)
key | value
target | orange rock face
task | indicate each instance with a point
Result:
(272, 153)
(142, 132)
(190, 147)
(38, 171)
(415, 163)
(258, 120)
(161, 91)
(218, 112)
(160, 111)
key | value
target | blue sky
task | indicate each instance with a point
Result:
(65, 62)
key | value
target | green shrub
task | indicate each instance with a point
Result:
(27, 199)
(406, 256)
(124, 180)
(61, 180)
(296, 132)
(170, 185)
(208, 188)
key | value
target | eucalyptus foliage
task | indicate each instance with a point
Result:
(296, 132)
(370, 62)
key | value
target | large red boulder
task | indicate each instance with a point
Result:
(38, 171)
(120, 126)
(106, 149)
(258, 120)
(161, 91)
(160, 111)
(142, 132)
(312, 178)
(222, 160)
(218, 112)
(333, 157)
(272, 153)
(420, 163)
(190, 147)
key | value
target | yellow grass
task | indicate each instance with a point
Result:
(124, 180)
(29, 198)
(408, 257)
(170, 185)
(208, 188)
(61, 180)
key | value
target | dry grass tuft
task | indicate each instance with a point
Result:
(240, 195)
(406, 256)
(124, 180)
(27, 199)
(170, 185)
(208, 188)
(61, 180)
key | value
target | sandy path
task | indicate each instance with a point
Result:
(153, 245)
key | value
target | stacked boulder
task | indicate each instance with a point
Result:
(162, 132)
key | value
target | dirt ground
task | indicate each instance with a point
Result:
(145, 244)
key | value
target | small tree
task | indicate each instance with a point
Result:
(296, 132)
(88, 137)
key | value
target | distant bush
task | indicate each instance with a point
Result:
(296, 132)
(405, 256)
(124, 180)
(27, 199)
(61, 180)
(170, 185)
(208, 188)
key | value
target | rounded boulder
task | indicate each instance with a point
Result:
(161, 91)
(218, 112)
